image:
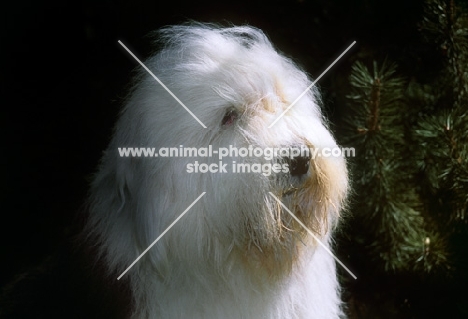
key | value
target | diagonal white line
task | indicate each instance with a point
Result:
(310, 86)
(315, 237)
(160, 236)
(162, 84)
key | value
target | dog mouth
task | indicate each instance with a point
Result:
(290, 190)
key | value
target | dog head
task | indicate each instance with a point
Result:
(237, 85)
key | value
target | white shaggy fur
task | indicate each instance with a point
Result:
(236, 253)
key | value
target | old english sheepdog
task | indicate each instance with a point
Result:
(237, 252)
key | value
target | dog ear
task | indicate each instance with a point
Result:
(112, 194)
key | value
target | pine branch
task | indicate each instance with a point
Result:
(389, 204)
(446, 25)
(444, 134)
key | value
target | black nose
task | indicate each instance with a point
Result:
(298, 165)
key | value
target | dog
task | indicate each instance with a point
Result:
(237, 252)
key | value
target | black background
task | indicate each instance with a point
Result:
(63, 76)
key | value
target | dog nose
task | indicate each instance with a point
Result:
(298, 165)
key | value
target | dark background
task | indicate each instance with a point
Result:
(63, 76)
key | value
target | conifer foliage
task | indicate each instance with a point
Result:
(409, 211)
